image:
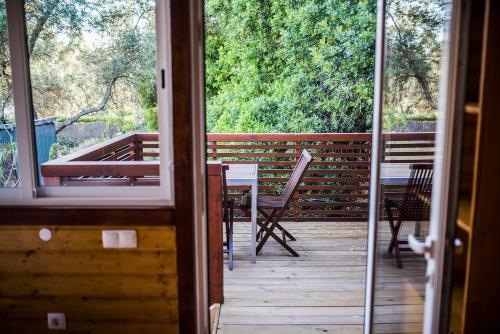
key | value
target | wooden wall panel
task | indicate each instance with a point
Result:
(99, 290)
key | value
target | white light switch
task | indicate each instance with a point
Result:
(119, 239)
(110, 239)
(127, 239)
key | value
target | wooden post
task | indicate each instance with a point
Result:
(52, 181)
(215, 241)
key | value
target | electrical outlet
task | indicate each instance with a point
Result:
(56, 321)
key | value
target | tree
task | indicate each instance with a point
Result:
(82, 76)
(415, 30)
(308, 65)
(289, 66)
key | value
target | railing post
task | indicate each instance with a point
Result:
(215, 241)
(52, 181)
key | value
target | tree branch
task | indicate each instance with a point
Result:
(40, 24)
(421, 78)
(89, 111)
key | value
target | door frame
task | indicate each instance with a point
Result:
(373, 211)
(189, 151)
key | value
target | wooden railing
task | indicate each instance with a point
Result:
(129, 159)
(335, 187)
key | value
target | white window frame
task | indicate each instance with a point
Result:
(29, 192)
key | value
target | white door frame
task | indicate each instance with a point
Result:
(449, 107)
(373, 213)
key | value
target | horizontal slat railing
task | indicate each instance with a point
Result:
(129, 159)
(408, 147)
(334, 188)
(336, 185)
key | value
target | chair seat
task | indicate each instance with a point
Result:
(414, 210)
(263, 202)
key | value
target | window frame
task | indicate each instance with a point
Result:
(29, 192)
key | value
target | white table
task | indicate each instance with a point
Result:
(394, 173)
(246, 175)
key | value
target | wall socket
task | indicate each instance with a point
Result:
(56, 321)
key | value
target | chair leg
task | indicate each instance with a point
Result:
(398, 256)
(285, 232)
(270, 233)
(394, 244)
(279, 226)
(394, 234)
(417, 228)
(230, 239)
(230, 252)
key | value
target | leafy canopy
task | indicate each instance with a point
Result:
(289, 66)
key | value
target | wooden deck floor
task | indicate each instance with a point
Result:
(323, 290)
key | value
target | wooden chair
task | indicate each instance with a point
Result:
(413, 206)
(274, 207)
(228, 205)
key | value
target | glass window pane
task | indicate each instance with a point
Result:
(9, 176)
(93, 77)
(414, 36)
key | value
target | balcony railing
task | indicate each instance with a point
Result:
(130, 159)
(335, 187)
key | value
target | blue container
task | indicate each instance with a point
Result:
(45, 133)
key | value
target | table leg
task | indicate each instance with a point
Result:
(254, 222)
(417, 228)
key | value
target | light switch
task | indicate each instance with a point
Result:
(127, 239)
(110, 239)
(119, 239)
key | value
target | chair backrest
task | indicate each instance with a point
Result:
(297, 175)
(225, 192)
(419, 189)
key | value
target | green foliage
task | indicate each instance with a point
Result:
(415, 30)
(147, 95)
(393, 119)
(124, 120)
(8, 152)
(78, 49)
(151, 119)
(62, 147)
(271, 65)
(289, 66)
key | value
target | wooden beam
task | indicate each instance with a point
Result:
(215, 240)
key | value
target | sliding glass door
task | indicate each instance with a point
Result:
(410, 165)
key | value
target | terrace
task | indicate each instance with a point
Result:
(323, 289)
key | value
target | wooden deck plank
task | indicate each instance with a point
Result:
(323, 290)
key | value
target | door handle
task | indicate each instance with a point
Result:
(420, 247)
(416, 245)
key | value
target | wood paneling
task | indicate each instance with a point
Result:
(96, 288)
